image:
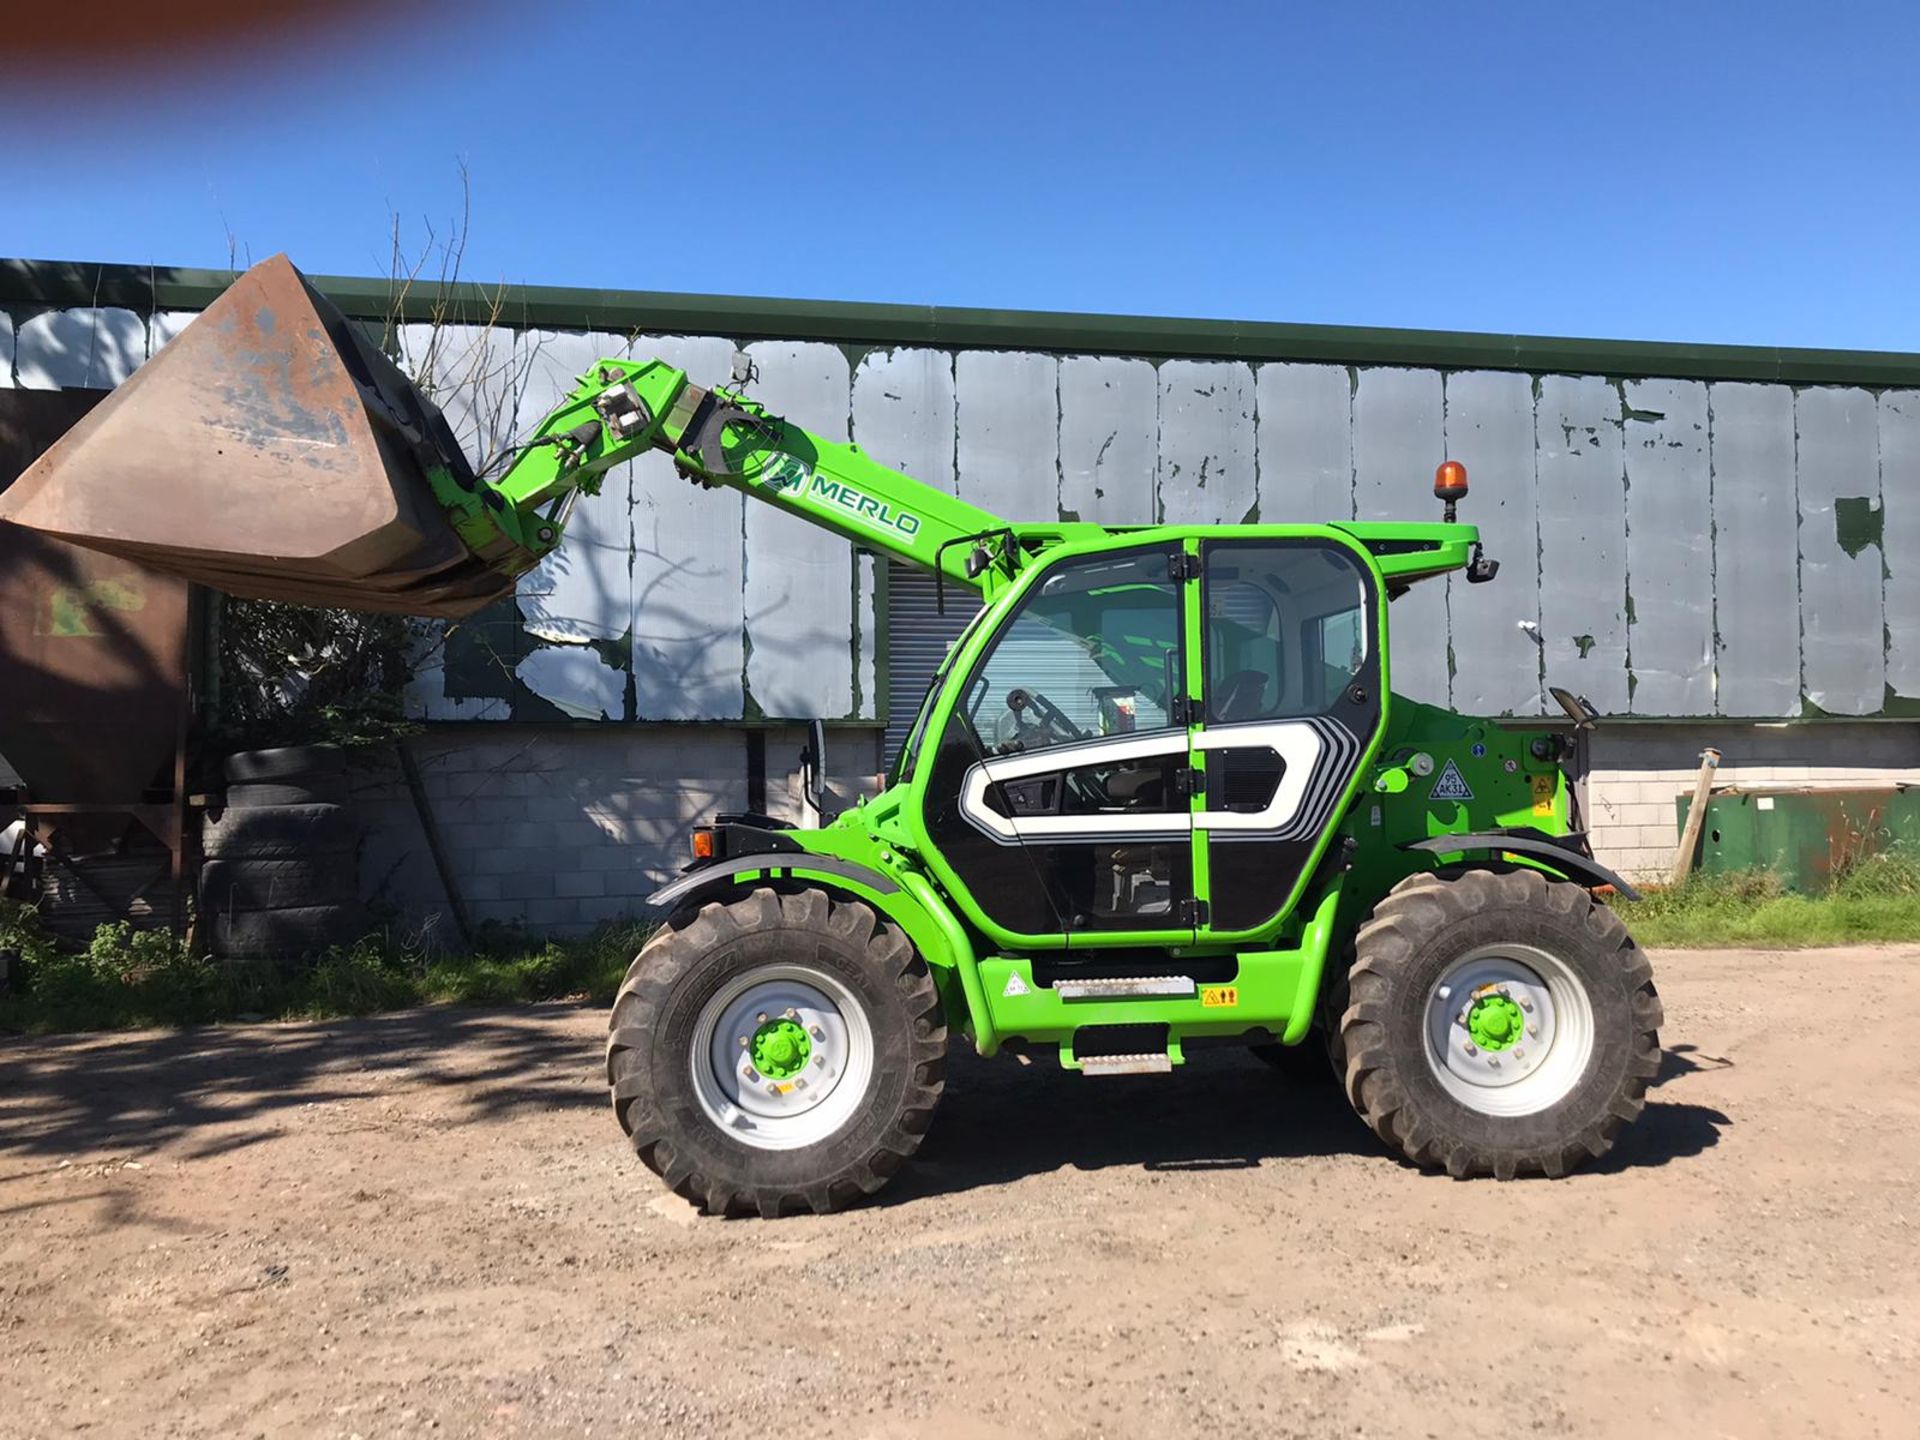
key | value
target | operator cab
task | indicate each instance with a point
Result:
(1153, 741)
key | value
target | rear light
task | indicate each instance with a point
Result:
(703, 843)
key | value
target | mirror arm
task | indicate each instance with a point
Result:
(813, 769)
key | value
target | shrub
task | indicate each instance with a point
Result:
(134, 977)
(1892, 873)
(370, 974)
(1870, 898)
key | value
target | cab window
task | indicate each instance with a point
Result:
(1094, 650)
(1286, 628)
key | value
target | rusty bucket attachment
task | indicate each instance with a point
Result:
(271, 451)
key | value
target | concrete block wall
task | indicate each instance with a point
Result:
(561, 830)
(1637, 774)
(397, 872)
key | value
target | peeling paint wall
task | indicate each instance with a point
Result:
(1899, 430)
(1304, 442)
(1496, 659)
(1007, 432)
(578, 605)
(1109, 438)
(1399, 435)
(1668, 548)
(689, 574)
(1206, 474)
(1581, 504)
(799, 583)
(88, 349)
(1843, 632)
(1756, 570)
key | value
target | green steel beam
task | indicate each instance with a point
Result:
(145, 288)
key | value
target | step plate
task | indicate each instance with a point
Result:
(1126, 987)
(1146, 1064)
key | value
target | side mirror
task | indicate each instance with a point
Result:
(813, 769)
(1579, 709)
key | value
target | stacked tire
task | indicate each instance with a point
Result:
(281, 873)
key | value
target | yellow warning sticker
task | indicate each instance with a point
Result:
(1543, 792)
(1213, 997)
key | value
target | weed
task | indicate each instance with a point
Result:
(132, 977)
(1870, 898)
(1890, 874)
(360, 978)
(22, 934)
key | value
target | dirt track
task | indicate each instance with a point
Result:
(428, 1221)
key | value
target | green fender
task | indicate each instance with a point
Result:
(908, 900)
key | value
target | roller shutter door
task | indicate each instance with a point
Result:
(917, 639)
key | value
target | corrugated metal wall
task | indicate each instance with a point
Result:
(1668, 547)
(1680, 547)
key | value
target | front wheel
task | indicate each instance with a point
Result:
(1498, 1022)
(783, 1052)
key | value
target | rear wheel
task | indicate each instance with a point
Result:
(1498, 1022)
(780, 1053)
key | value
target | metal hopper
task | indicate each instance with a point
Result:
(270, 450)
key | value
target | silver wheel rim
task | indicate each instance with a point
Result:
(782, 1112)
(1527, 1074)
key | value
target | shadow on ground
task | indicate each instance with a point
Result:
(1224, 1111)
(77, 1093)
(220, 1089)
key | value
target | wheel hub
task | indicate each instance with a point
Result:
(781, 1057)
(780, 1049)
(1510, 1029)
(1495, 1022)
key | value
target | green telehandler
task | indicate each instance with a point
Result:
(1159, 795)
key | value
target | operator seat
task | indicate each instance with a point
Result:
(1243, 696)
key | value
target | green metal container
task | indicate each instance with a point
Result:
(1804, 836)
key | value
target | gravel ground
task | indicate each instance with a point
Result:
(428, 1222)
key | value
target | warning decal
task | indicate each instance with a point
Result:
(1543, 794)
(1212, 997)
(1015, 986)
(1450, 785)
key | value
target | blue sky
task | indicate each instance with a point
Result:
(1713, 172)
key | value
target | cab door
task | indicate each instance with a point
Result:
(1059, 793)
(1291, 703)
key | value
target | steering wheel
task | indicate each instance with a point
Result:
(1049, 718)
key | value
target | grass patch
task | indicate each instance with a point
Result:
(1874, 898)
(128, 977)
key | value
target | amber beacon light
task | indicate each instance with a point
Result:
(1450, 484)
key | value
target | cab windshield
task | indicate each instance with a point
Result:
(1094, 650)
(903, 763)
